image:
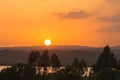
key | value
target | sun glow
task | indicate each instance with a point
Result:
(47, 42)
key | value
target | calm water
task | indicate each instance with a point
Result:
(3, 67)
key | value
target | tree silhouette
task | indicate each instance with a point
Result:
(82, 65)
(105, 60)
(76, 63)
(118, 65)
(34, 58)
(45, 62)
(55, 62)
(79, 65)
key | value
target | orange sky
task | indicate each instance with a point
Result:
(80, 22)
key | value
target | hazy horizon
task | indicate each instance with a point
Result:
(57, 45)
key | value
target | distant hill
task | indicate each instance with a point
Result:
(66, 54)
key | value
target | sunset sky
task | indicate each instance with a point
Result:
(65, 22)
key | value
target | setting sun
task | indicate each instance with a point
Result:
(47, 42)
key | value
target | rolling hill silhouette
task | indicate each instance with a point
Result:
(66, 54)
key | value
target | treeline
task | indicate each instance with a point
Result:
(105, 68)
(43, 60)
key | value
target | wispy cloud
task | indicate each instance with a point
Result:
(113, 1)
(110, 29)
(113, 18)
(73, 15)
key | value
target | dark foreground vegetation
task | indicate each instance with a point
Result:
(105, 68)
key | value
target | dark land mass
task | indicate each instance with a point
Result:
(66, 54)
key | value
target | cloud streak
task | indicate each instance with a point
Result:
(74, 15)
(113, 1)
(110, 29)
(114, 18)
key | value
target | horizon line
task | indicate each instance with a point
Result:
(55, 45)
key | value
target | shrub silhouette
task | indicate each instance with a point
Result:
(107, 74)
(18, 72)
